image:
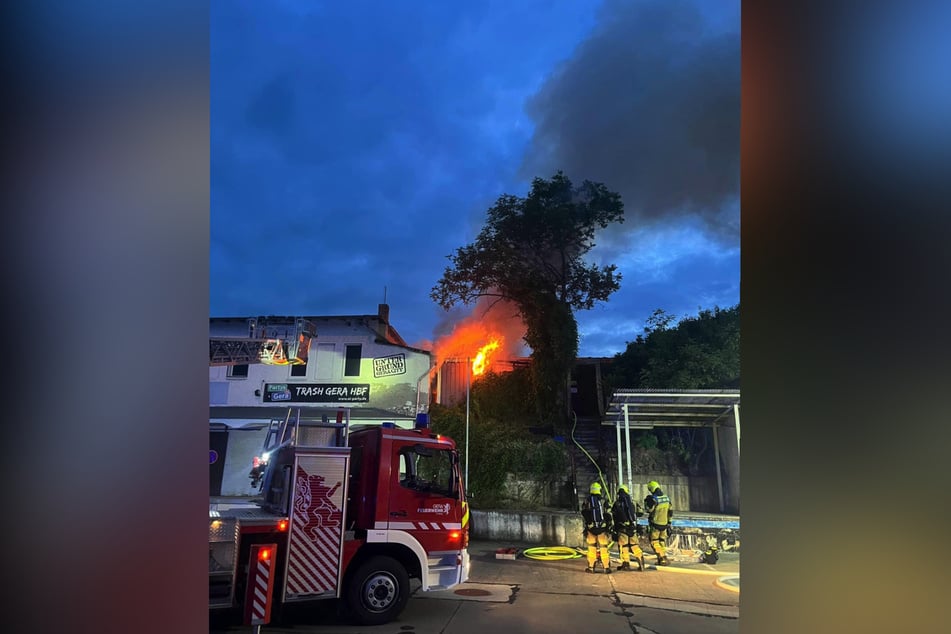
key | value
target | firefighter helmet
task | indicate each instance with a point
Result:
(595, 488)
(652, 485)
(624, 488)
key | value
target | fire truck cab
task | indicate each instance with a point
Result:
(344, 513)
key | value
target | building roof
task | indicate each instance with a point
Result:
(379, 323)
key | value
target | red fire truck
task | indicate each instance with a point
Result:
(346, 512)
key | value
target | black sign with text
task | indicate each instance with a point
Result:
(316, 392)
(389, 366)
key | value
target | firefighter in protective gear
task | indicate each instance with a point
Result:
(659, 515)
(626, 530)
(597, 524)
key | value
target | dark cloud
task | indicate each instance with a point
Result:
(649, 105)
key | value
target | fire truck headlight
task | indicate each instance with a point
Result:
(265, 456)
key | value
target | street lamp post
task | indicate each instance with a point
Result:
(468, 376)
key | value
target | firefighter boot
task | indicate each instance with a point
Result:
(605, 557)
(637, 555)
(625, 556)
(661, 551)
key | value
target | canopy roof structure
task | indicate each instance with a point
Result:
(646, 409)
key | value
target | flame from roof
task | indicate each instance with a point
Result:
(482, 357)
(492, 331)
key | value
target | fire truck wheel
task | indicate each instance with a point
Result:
(377, 591)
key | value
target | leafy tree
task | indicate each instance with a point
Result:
(701, 352)
(531, 252)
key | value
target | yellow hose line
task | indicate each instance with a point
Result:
(551, 553)
(593, 461)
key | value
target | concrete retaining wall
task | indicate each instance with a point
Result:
(564, 528)
(549, 528)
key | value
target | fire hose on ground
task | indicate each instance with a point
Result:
(556, 553)
(551, 553)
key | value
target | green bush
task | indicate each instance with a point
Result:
(496, 450)
(646, 440)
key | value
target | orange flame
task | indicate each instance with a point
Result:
(482, 357)
(492, 332)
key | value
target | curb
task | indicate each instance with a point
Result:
(689, 571)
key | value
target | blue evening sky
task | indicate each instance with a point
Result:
(355, 145)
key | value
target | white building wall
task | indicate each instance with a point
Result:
(395, 377)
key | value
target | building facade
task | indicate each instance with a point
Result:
(359, 362)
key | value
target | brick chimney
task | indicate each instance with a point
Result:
(383, 310)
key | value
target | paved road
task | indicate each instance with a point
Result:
(525, 595)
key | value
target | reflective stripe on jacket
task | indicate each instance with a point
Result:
(660, 515)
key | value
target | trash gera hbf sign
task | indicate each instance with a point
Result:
(316, 392)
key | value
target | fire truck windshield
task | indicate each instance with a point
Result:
(427, 469)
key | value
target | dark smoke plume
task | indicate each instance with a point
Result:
(649, 105)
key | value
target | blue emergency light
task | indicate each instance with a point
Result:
(422, 420)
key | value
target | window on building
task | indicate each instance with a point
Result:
(352, 367)
(299, 370)
(238, 371)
